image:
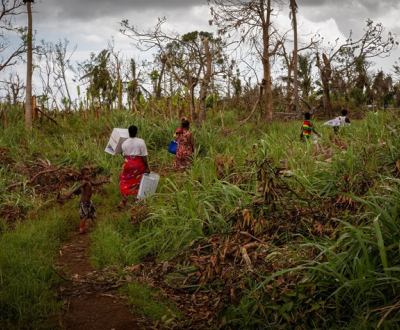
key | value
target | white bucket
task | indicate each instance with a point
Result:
(148, 185)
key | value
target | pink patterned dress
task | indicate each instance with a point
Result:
(183, 157)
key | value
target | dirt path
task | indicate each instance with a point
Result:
(92, 301)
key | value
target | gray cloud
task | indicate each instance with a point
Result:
(89, 9)
(311, 3)
(90, 23)
(331, 6)
(352, 15)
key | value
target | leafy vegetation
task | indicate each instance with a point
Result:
(264, 231)
(149, 302)
(28, 253)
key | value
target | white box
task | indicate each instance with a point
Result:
(148, 185)
(118, 136)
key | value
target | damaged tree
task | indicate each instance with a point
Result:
(189, 58)
(29, 69)
(253, 22)
(9, 10)
(338, 59)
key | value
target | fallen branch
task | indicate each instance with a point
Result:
(245, 233)
(43, 172)
(388, 309)
(38, 109)
(35, 177)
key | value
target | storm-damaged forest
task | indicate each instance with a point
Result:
(265, 230)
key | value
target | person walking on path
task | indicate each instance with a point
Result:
(135, 165)
(86, 207)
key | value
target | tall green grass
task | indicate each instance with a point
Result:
(352, 274)
(180, 215)
(351, 283)
(28, 254)
(150, 303)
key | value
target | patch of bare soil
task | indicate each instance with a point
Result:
(91, 298)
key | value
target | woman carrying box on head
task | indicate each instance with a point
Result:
(135, 165)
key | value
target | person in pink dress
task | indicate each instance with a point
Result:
(186, 147)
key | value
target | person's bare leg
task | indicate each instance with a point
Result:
(91, 222)
(82, 226)
(123, 201)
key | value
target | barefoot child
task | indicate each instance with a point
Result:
(86, 207)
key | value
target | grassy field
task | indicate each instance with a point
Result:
(277, 233)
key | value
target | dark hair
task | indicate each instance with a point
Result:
(132, 131)
(307, 116)
(85, 170)
(344, 112)
(185, 123)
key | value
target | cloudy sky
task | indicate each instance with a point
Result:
(90, 24)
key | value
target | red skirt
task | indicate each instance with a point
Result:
(132, 173)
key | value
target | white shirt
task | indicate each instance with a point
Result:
(134, 147)
(342, 120)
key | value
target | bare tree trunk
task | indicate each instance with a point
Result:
(266, 81)
(288, 88)
(325, 72)
(205, 83)
(229, 84)
(134, 101)
(326, 96)
(268, 93)
(295, 50)
(192, 103)
(28, 94)
(64, 78)
(160, 77)
(62, 50)
(34, 111)
(119, 82)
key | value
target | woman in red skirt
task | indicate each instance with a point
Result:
(135, 165)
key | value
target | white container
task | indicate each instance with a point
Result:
(118, 136)
(148, 185)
